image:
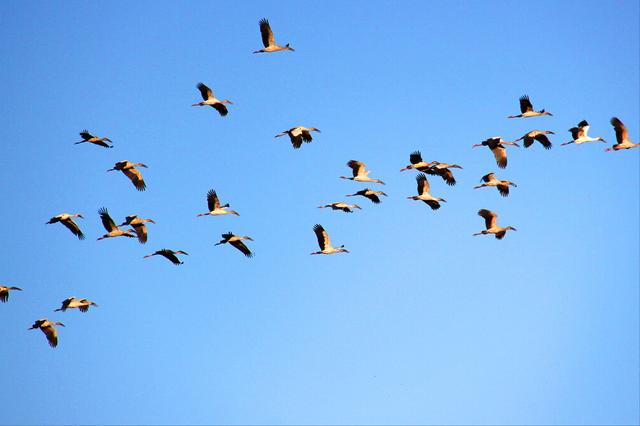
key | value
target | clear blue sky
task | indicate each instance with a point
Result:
(421, 323)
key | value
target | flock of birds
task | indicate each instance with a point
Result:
(298, 135)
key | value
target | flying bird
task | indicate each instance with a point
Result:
(423, 193)
(130, 171)
(360, 174)
(110, 226)
(527, 109)
(47, 327)
(579, 134)
(491, 223)
(67, 220)
(215, 209)
(4, 292)
(299, 134)
(168, 254)
(496, 145)
(370, 194)
(622, 136)
(443, 170)
(415, 158)
(138, 225)
(325, 243)
(73, 302)
(341, 206)
(236, 241)
(88, 137)
(502, 185)
(537, 135)
(268, 40)
(211, 100)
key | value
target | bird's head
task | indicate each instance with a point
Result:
(289, 47)
(476, 145)
(226, 101)
(355, 206)
(80, 216)
(248, 238)
(549, 132)
(512, 228)
(151, 221)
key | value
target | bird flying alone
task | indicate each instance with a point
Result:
(537, 135)
(4, 292)
(424, 195)
(49, 330)
(360, 174)
(370, 194)
(73, 302)
(215, 209)
(138, 225)
(268, 40)
(502, 185)
(67, 220)
(579, 134)
(168, 254)
(88, 137)
(211, 100)
(527, 109)
(325, 242)
(622, 136)
(111, 228)
(130, 171)
(491, 223)
(347, 208)
(496, 145)
(236, 241)
(298, 135)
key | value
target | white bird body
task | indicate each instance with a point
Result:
(325, 242)
(580, 135)
(215, 208)
(424, 195)
(360, 173)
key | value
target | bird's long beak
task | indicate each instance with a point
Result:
(198, 104)
(152, 221)
(110, 170)
(476, 145)
(551, 133)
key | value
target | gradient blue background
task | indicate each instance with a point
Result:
(421, 322)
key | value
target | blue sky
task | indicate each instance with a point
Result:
(421, 323)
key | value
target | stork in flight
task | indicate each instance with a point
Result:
(67, 220)
(496, 145)
(415, 158)
(168, 254)
(4, 292)
(130, 171)
(138, 225)
(325, 243)
(579, 134)
(443, 170)
(424, 195)
(215, 209)
(527, 109)
(268, 40)
(502, 185)
(47, 327)
(341, 206)
(236, 241)
(110, 226)
(370, 194)
(73, 302)
(211, 100)
(298, 135)
(622, 136)
(360, 174)
(491, 223)
(537, 135)
(88, 137)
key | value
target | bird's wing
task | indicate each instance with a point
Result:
(584, 127)
(528, 140)
(240, 246)
(267, 35)
(169, 255)
(503, 189)
(212, 200)
(525, 104)
(306, 136)
(374, 198)
(322, 236)
(423, 184)
(86, 135)
(576, 132)
(136, 178)
(102, 143)
(415, 157)
(489, 218)
(543, 139)
(205, 91)
(221, 108)
(488, 177)
(141, 232)
(4, 295)
(107, 222)
(621, 130)
(296, 139)
(447, 175)
(51, 334)
(357, 167)
(501, 156)
(74, 228)
(435, 205)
